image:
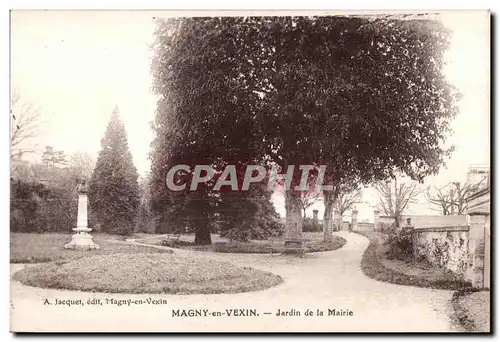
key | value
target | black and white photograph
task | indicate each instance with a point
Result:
(250, 171)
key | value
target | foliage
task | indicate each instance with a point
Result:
(385, 227)
(440, 252)
(54, 158)
(373, 267)
(35, 207)
(246, 215)
(113, 189)
(301, 90)
(399, 243)
(468, 315)
(310, 226)
(145, 220)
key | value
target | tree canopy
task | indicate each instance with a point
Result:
(363, 96)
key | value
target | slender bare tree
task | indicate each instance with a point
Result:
(25, 125)
(347, 199)
(394, 198)
(83, 163)
(452, 199)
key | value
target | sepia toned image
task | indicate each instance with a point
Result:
(250, 171)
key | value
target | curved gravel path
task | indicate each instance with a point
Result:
(320, 281)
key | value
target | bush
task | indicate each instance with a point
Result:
(373, 267)
(37, 208)
(385, 227)
(248, 216)
(399, 243)
(309, 226)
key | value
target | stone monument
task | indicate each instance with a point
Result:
(82, 240)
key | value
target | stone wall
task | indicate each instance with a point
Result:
(445, 247)
(428, 221)
(365, 227)
(479, 272)
(432, 221)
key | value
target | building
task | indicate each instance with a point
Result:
(478, 174)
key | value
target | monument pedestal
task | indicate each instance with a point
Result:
(82, 240)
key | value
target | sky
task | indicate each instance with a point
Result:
(76, 66)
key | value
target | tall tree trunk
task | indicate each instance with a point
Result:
(293, 222)
(202, 236)
(397, 203)
(328, 200)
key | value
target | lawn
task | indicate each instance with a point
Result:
(471, 308)
(36, 248)
(313, 243)
(375, 265)
(147, 273)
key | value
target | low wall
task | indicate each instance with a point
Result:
(445, 247)
(386, 220)
(365, 227)
(427, 221)
(430, 221)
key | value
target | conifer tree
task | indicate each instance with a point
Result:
(113, 189)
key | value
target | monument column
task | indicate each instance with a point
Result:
(82, 239)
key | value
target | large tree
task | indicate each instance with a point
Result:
(394, 113)
(113, 190)
(362, 97)
(204, 115)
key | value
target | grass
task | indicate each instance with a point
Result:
(266, 246)
(471, 309)
(147, 273)
(375, 265)
(36, 248)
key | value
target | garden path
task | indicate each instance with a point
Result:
(320, 281)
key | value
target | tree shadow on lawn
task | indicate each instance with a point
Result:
(37, 248)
